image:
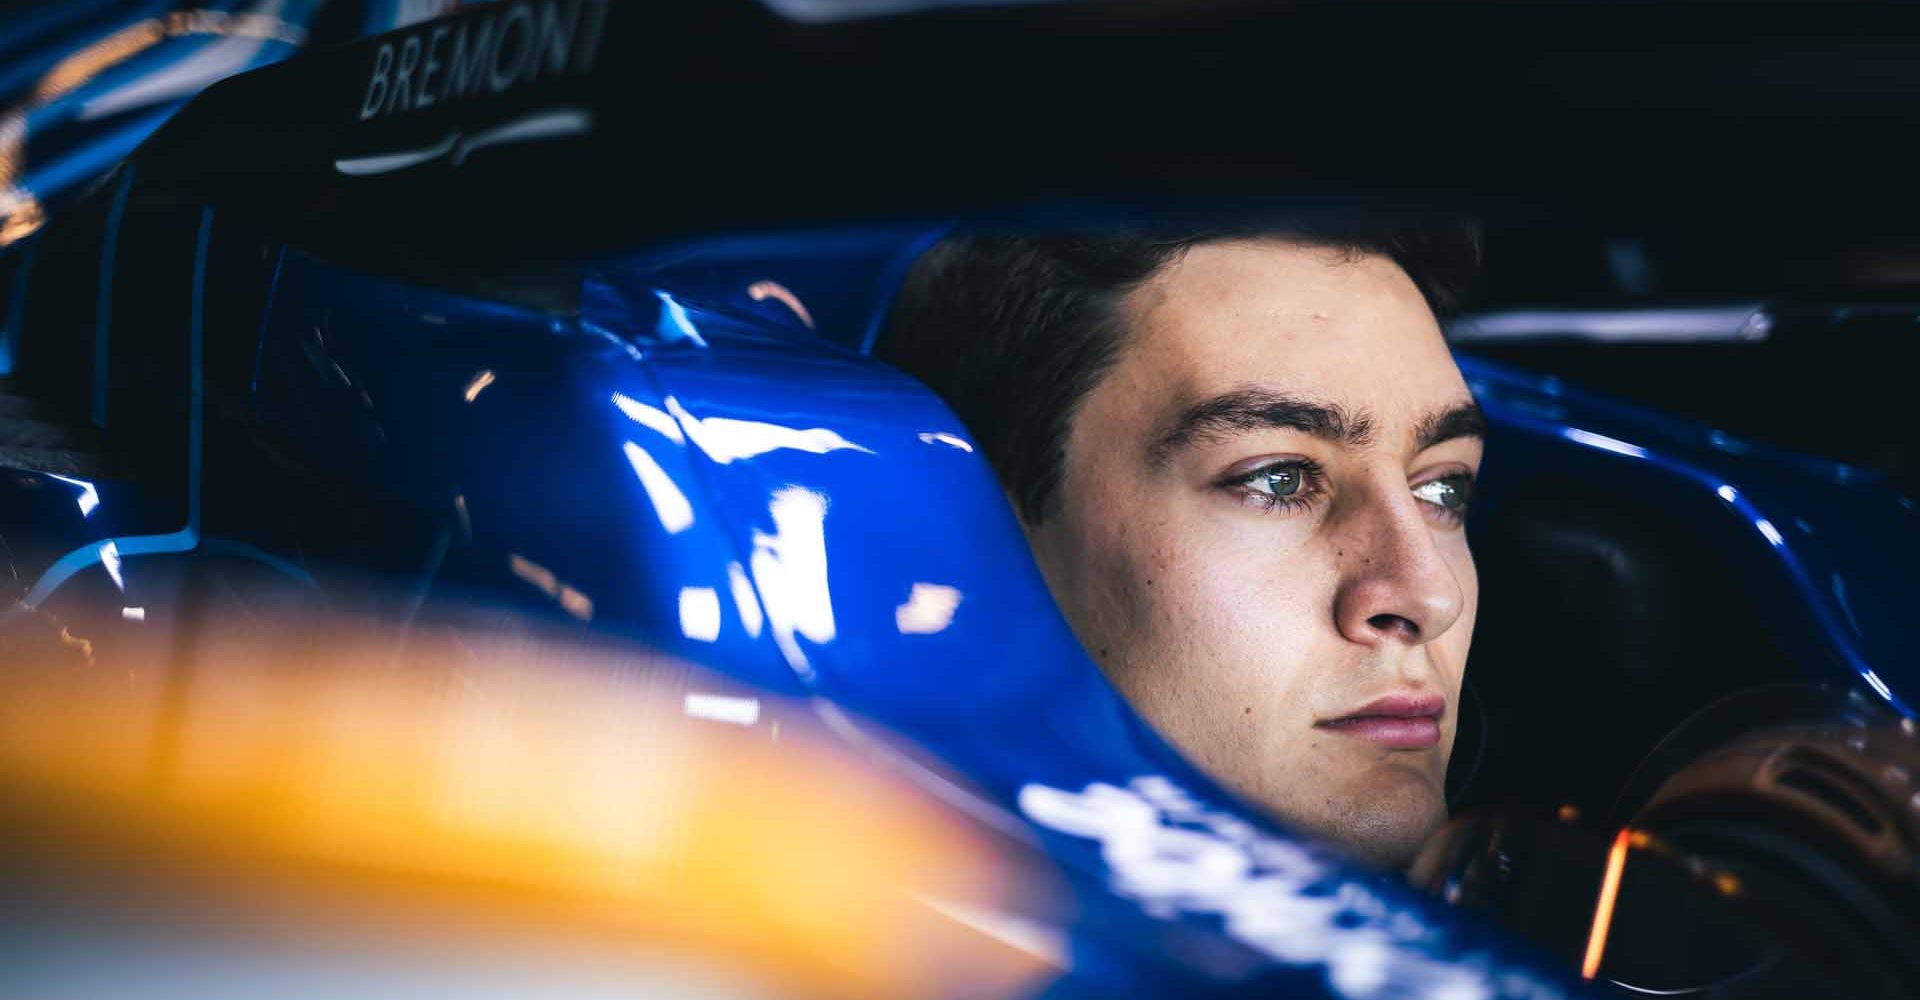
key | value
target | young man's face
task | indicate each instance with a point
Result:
(1258, 537)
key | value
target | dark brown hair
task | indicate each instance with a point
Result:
(1014, 330)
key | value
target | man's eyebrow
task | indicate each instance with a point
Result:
(1258, 409)
(1460, 420)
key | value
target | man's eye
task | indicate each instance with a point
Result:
(1283, 484)
(1277, 481)
(1451, 494)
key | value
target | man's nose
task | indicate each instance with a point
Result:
(1395, 585)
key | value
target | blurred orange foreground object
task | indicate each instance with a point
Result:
(331, 784)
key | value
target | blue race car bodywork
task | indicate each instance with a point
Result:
(696, 451)
(86, 83)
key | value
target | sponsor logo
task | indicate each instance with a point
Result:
(456, 146)
(1179, 858)
(485, 55)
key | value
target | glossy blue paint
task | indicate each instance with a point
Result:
(767, 504)
(896, 585)
(1757, 501)
(728, 478)
(762, 500)
(110, 552)
(1866, 532)
(704, 459)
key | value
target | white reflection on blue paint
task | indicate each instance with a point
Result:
(699, 613)
(1878, 684)
(929, 608)
(675, 325)
(110, 558)
(744, 600)
(1175, 855)
(950, 440)
(89, 498)
(652, 418)
(790, 571)
(676, 514)
(724, 439)
(1603, 442)
(1359, 967)
(1729, 494)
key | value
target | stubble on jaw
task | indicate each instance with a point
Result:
(1378, 806)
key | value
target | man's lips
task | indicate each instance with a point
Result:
(1398, 721)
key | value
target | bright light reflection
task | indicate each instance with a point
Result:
(1603, 442)
(929, 609)
(724, 439)
(676, 514)
(760, 291)
(1049, 944)
(480, 381)
(950, 440)
(575, 603)
(651, 417)
(1459, 987)
(790, 572)
(1358, 967)
(110, 558)
(1739, 322)
(744, 600)
(134, 614)
(89, 497)
(1174, 855)
(1877, 684)
(1603, 907)
(1766, 528)
(1728, 493)
(722, 708)
(699, 613)
(570, 600)
(674, 315)
(532, 572)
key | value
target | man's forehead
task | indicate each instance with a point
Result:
(1283, 313)
(1281, 280)
(1239, 338)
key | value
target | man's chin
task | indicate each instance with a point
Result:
(1382, 823)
